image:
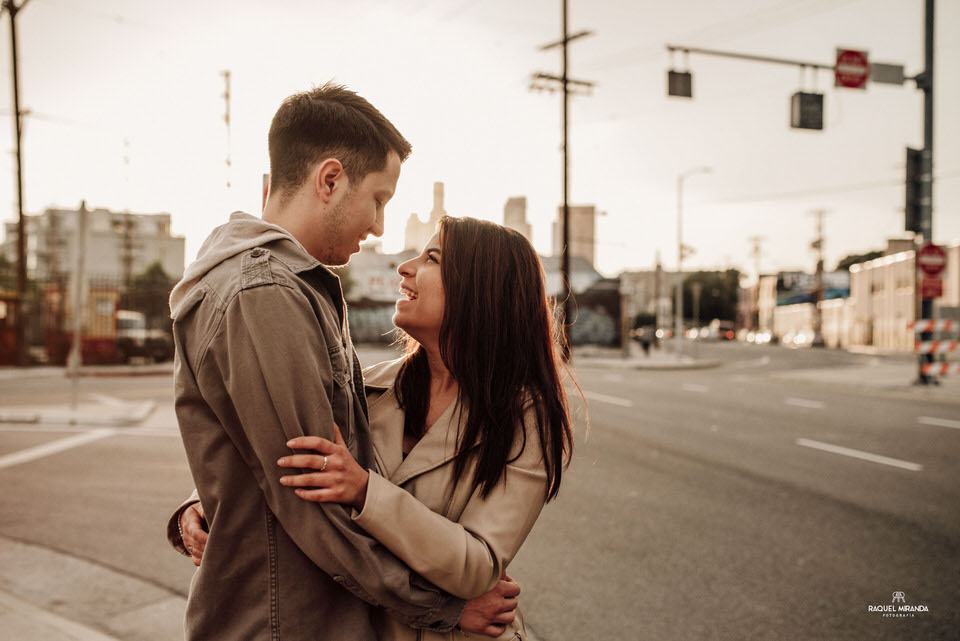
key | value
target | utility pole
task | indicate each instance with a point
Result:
(682, 251)
(925, 82)
(565, 81)
(75, 359)
(817, 245)
(658, 277)
(20, 307)
(756, 253)
(226, 119)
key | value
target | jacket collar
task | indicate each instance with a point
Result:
(438, 445)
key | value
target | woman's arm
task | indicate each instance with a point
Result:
(464, 558)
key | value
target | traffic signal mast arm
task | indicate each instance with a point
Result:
(747, 56)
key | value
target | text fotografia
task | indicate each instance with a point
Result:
(898, 610)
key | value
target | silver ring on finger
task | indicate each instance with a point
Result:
(324, 464)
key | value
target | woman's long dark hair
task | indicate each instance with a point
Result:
(499, 341)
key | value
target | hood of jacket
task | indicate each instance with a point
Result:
(241, 233)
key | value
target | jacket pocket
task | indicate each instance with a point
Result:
(338, 363)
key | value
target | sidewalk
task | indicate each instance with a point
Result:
(49, 596)
(892, 376)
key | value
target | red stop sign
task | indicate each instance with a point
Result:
(931, 259)
(852, 69)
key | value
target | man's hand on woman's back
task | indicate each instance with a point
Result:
(193, 530)
(489, 614)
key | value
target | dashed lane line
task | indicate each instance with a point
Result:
(939, 422)
(612, 400)
(694, 387)
(866, 456)
(802, 402)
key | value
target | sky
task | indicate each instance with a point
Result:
(126, 112)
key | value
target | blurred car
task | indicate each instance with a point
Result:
(134, 340)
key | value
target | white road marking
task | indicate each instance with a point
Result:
(613, 400)
(757, 362)
(940, 422)
(802, 402)
(694, 387)
(866, 456)
(40, 451)
(108, 400)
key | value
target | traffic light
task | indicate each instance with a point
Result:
(806, 110)
(914, 190)
(680, 84)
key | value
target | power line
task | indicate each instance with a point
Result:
(838, 189)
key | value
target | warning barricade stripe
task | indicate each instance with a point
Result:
(940, 369)
(935, 347)
(931, 325)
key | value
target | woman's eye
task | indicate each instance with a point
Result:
(430, 257)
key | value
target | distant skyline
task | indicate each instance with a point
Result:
(109, 80)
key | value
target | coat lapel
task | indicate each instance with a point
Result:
(436, 447)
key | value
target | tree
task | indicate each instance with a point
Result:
(853, 259)
(149, 293)
(719, 294)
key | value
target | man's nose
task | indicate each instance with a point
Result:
(377, 228)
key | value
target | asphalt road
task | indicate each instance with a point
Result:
(702, 505)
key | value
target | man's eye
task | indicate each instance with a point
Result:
(379, 203)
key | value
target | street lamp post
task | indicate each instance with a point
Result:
(678, 307)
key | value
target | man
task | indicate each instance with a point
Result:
(264, 355)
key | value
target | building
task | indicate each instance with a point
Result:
(418, 232)
(515, 216)
(373, 275)
(118, 244)
(650, 293)
(881, 303)
(583, 224)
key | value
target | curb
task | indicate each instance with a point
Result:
(97, 371)
(632, 363)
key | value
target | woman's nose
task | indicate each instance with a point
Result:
(407, 268)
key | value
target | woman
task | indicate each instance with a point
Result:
(471, 427)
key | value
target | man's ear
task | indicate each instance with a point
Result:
(329, 178)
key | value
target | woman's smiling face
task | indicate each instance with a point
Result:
(420, 307)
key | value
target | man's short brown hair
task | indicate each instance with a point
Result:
(329, 122)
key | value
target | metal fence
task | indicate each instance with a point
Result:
(120, 321)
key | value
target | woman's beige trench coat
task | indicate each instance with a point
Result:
(456, 540)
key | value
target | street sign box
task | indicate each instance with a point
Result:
(931, 259)
(931, 287)
(886, 74)
(852, 69)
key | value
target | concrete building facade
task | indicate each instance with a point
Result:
(583, 226)
(118, 244)
(515, 216)
(417, 232)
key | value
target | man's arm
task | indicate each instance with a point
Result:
(278, 378)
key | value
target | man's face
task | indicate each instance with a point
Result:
(357, 213)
